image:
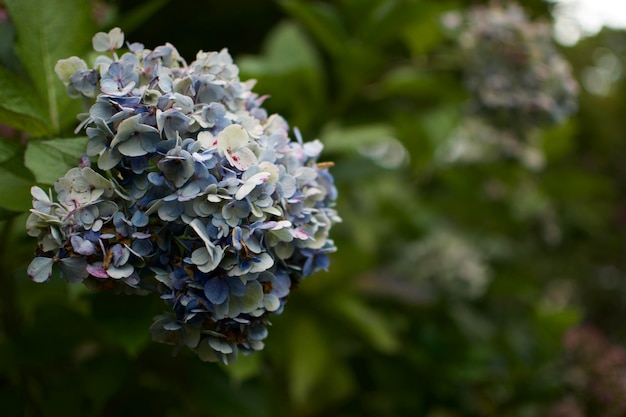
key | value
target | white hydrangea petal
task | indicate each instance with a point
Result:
(118, 272)
(242, 158)
(251, 184)
(40, 269)
(232, 137)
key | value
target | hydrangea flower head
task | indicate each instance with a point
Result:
(513, 71)
(197, 195)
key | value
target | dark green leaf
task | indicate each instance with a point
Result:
(8, 149)
(424, 32)
(286, 49)
(309, 359)
(102, 377)
(49, 30)
(15, 191)
(141, 13)
(323, 22)
(344, 139)
(369, 322)
(19, 106)
(245, 367)
(291, 68)
(51, 159)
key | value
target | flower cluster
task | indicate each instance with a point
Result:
(513, 71)
(474, 141)
(448, 262)
(595, 375)
(198, 195)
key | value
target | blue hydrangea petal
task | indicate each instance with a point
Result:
(251, 183)
(74, 269)
(253, 298)
(216, 290)
(236, 285)
(178, 166)
(142, 247)
(205, 352)
(109, 159)
(173, 122)
(261, 262)
(207, 259)
(82, 246)
(112, 40)
(220, 345)
(170, 211)
(120, 253)
(191, 336)
(84, 82)
(140, 219)
(258, 332)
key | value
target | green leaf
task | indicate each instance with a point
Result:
(290, 69)
(7, 52)
(368, 322)
(8, 149)
(343, 139)
(19, 107)
(409, 81)
(245, 367)
(308, 360)
(134, 18)
(15, 191)
(286, 49)
(12, 158)
(102, 377)
(424, 32)
(15, 180)
(322, 20)
(440, 122)
(48, 30)
(558, 141)
(51, 159)
(123, 324)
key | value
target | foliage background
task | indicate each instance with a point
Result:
(456, 279)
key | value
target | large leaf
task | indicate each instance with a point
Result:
(367, 321)
(346, 139)
(290, 70)
(246, 367)
(12, 158)
(286, 49)
(8, 149)
(51, 159)
(15, 180)
(423, 32)
(309, 359)
(132, 19)
(48, 30)
(15, 191)
(7, 54)
(323, 21)
(124, 323)
(19, 107)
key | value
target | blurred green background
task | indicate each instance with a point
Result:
(477, 274)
